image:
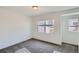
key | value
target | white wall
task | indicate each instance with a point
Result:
(67, 36)
(14, 28)
(53, 37)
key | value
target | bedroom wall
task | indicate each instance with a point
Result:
(67, 36)
(14, 28)
(54, 37)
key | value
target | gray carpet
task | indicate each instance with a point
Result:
(37, 46)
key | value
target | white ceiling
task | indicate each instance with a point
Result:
(27, 10)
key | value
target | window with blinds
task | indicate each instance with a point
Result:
(45, 26)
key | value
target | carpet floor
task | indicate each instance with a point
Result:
(37, 46)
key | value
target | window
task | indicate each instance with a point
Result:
(46, 26)
(73, 25)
